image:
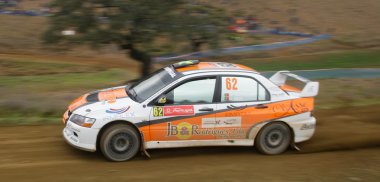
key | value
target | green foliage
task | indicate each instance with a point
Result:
(135, 25)
(200, 25)
(100, 21)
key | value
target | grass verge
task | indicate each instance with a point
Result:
(355, 59)
(33, 96)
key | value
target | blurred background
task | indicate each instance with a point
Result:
(52, 51)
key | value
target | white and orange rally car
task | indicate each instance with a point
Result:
(194, 103)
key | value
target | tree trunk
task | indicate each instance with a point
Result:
(144, 58)
(196, 45)
(146, 67)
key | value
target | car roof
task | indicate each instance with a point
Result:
(213, 66)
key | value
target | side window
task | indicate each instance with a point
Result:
(193, 92)
(240, 89)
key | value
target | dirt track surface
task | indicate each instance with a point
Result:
(346, 147)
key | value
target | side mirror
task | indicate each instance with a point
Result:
(161, 99)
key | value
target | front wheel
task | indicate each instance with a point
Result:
(120, 142)
(273, 139)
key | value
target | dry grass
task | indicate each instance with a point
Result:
(38, 87)
(40, 96)
(342, 18)
(335, 93)
(354, 24)
(39, 81)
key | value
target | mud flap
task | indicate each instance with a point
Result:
(294, 146)
(143, 148)
(293, 143)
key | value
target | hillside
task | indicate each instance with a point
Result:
(354, 24)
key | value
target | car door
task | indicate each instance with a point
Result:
(185, 111)
(243, 102)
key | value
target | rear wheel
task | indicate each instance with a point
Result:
(273, 139)
(120, 142)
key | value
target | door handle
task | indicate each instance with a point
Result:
(261, 106)
(237, 107)
(206, 109)
(231, 106)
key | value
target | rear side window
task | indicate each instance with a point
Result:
(242, 89)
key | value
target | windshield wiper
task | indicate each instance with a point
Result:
(131, 93)
(132, 83)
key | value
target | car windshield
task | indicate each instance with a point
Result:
(153, 83)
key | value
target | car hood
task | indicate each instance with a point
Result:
(110, 95)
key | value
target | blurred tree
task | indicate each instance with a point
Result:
(135, 25)
(201, 25)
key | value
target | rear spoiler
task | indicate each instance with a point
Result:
(309, 90)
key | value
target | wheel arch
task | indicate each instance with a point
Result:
(255, 130)
(124, 122)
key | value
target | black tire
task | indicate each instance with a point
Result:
(273, 139)
(120, 142)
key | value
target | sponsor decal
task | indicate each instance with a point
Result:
(111, 94)
(299, 106)
(221, 122)
(184, 110)
(234, 114)
(118, 111)
(178, 110)
(280, 94)
(186, 130)
(123, 116)
(111, 101)
(224, 65)
(182, 130)
(74, 139)
(226, 97)
(307, 126)
(280, 109)
(170, 71)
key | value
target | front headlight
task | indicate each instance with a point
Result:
(82, 120)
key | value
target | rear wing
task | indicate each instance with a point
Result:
(309, 90)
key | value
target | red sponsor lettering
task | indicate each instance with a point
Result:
(178, 110)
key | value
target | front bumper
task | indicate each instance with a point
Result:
(80, 137)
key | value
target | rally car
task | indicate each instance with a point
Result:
(191, 104)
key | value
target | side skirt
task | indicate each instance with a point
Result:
(198, 143)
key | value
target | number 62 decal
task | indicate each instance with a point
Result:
(158, 111)
(231, 83)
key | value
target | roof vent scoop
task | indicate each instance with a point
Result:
(185, 63)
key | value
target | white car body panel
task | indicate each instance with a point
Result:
(303, 125)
